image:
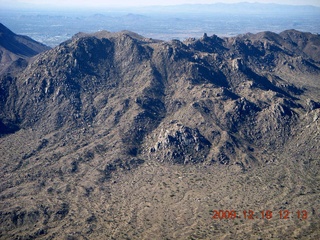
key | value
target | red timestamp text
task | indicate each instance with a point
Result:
(264, 214)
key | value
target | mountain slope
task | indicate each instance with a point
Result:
(120, 131)
(16, 47)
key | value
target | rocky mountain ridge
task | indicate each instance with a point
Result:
(225, 85)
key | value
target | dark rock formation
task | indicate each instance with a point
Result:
(15, 47)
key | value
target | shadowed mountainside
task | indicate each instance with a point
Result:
(16, 48)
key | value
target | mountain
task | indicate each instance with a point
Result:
(244, 8)
(117, 136)
(15, 47)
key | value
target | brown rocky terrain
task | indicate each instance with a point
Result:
(116, 136)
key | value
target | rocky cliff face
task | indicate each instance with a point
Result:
(232, 92)
(113, 102)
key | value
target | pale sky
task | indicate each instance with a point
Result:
(121, 3)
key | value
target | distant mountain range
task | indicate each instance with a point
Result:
(52, 26)
(245, 6)
(112, 135)
(237, 8)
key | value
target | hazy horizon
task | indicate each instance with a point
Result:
(139, 3)
(53, 25)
